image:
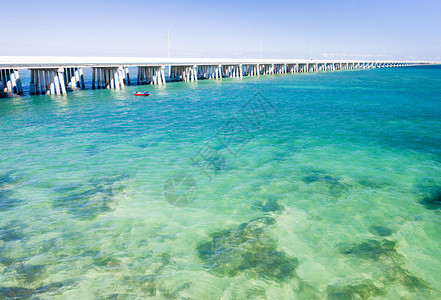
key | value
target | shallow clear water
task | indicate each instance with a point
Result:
(307, 186)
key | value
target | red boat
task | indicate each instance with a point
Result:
(138, 93)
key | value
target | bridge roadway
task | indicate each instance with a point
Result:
(57, 75)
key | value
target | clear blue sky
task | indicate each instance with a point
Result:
(407, 29)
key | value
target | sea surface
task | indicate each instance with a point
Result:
(311, 186)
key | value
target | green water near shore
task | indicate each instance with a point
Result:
(308, 186)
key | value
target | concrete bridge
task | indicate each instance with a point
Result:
(57, 75)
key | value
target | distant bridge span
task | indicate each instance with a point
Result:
(57, 75)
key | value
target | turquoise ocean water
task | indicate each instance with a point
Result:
(312, 186)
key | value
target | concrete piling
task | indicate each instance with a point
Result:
(154, 75)
(46, 81)
(107, 78)
(10, 82)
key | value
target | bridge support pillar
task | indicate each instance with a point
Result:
(10, 82)
(47, 81)
(154, 75)
(73, 78)
(219, 74)
(194, 73)
(107, 78)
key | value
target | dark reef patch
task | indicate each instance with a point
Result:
(384, 252)
(175, 294)
(146, 145)
(270, 206)
(6, 201)
(362, 289)
(254, 292)
(372, 182)
(373, 249)
(28, 273)
(247, 248)
(216, 163)
(149, 286)
(89, 201)
(56, 288)
(13, 231)
(429, 193)
(335, 185)
(433, 200)
(92, 150)
(146, 284)
(380, 230)
(107, 262)
(116, 296)
(7, 179)
(397, 273)
(16, 293)
(321, 178)
(7, 261)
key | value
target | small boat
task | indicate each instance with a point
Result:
(138, 93)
